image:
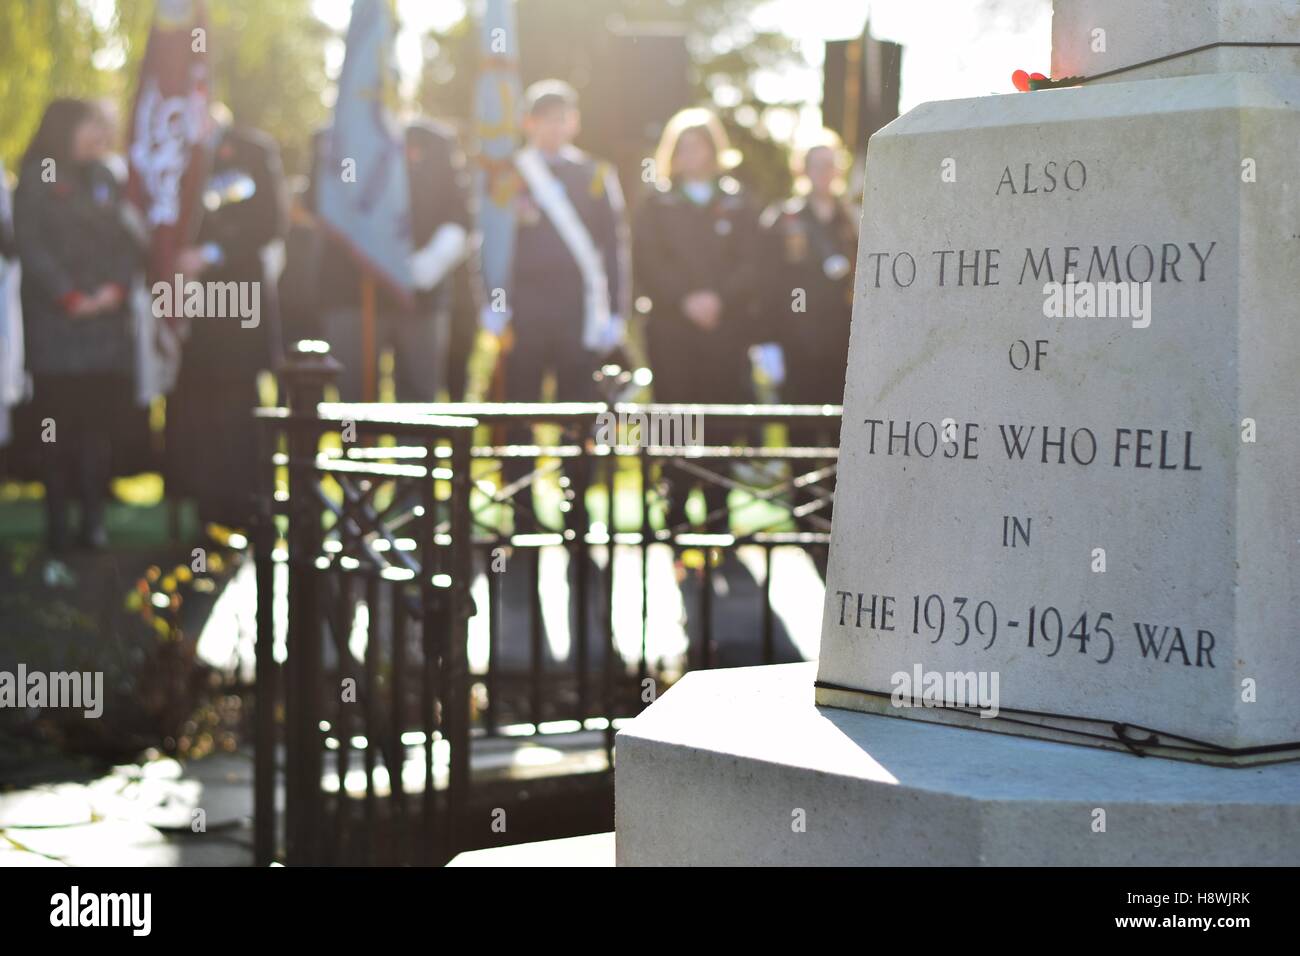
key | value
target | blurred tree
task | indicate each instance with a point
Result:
(46, 50)
(727, 53)
(269, 68)
(268, 64)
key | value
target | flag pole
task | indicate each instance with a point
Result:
(368, 362)
(497, 388)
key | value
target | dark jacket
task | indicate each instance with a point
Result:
(547, 288)
(73, 237)
(802, 253)
(680, 247)
(440, 193)
(245, 209)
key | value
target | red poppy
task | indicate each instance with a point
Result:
(1025, 82)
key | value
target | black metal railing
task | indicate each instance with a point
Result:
(379, 522)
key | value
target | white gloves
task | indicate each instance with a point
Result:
(770, 360)
(615, 333)
(435, 260)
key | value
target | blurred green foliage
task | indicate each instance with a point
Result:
(46, 48)
(268, 61)
(727, 53)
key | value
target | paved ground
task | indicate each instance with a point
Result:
(61, 809)
(131, 613)
(160, 813)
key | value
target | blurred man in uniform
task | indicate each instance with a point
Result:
(569, 275)
(211, 446)
(811, 249)
(417, 333)
(811, 245)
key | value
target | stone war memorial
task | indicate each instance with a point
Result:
(1062, 613)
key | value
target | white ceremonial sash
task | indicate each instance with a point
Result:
(550, 195)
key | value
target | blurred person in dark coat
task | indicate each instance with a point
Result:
(211, 444)
(696, 249)
(298, 288)
(80, 251)
(811, 251)
(417, 333)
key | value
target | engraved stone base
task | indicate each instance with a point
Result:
(1111, 735)
(736, 767)
(963, 554)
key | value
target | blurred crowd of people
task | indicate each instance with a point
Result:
(712, 284)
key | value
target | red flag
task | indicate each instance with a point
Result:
(168, 148)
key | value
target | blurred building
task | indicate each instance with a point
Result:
(860, 87)
(631, 76)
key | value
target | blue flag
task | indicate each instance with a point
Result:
(497, 127)
(363, 190)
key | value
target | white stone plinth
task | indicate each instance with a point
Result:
(596, 849)
(1145, 39)
(1196, 550)
(717, 769)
